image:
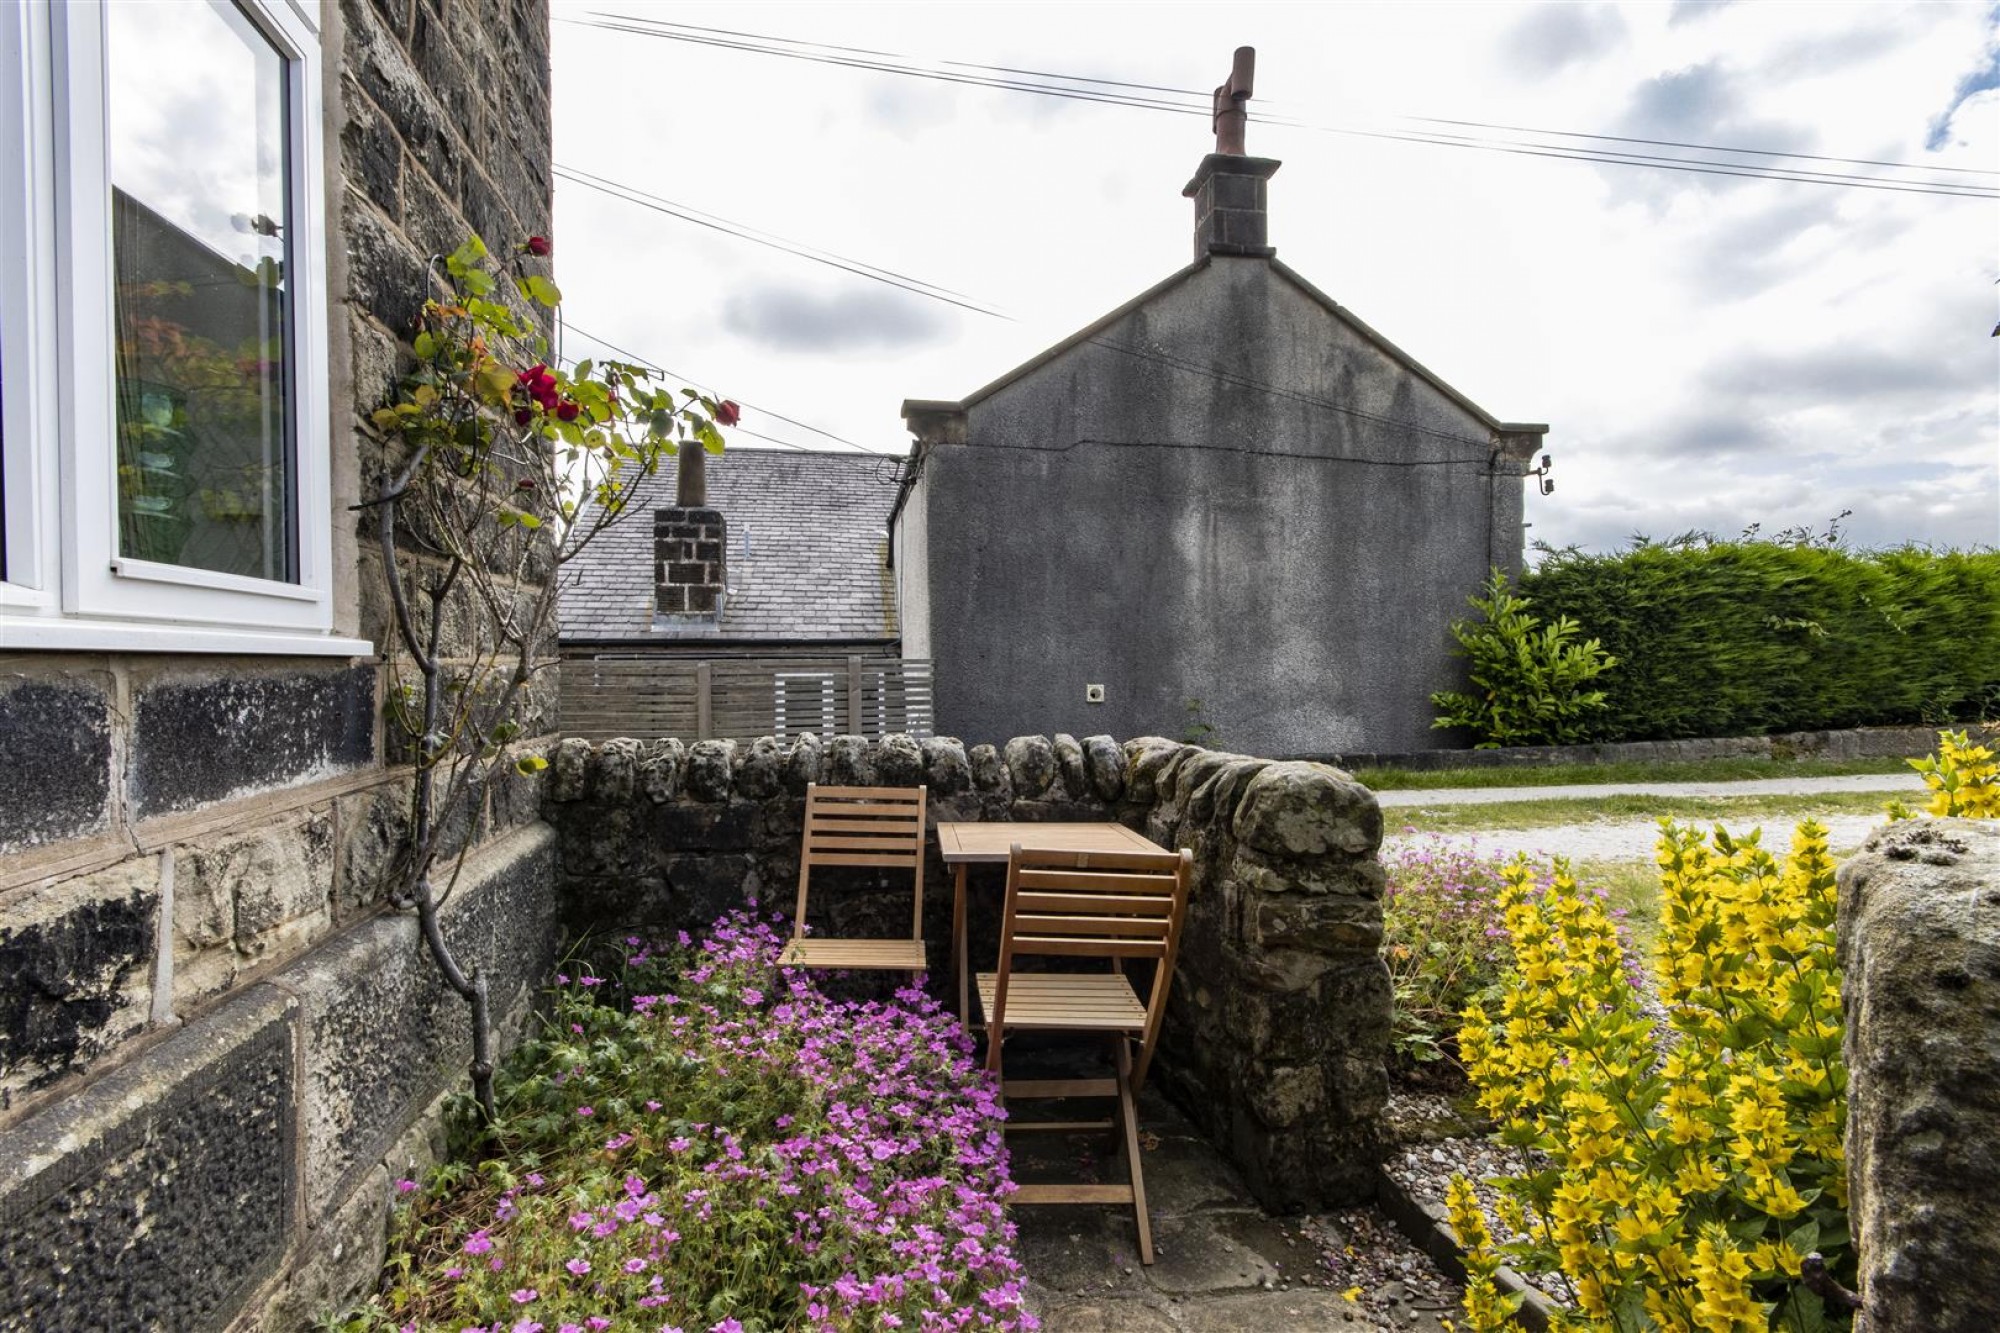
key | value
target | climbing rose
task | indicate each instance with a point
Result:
(538, 245)
(567, 410)
(727, 412)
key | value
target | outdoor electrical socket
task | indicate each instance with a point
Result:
(1093, 694)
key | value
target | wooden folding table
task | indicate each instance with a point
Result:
(967, 844)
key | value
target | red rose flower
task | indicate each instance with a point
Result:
(727, 413)
(522, 416)
(525, 484)
(538, 245)
(567, 410)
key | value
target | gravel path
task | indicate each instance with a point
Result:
(1621, 839)
(1586, 791)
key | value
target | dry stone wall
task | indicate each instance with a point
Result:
(1920, 957)
(1279, 1019)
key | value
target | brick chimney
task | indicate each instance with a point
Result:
(1231, 203)
(1229, 189)
(689, 542)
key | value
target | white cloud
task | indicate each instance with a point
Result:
(1709, 352)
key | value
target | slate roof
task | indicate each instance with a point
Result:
(807, 549)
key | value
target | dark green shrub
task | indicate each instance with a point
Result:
(1530, 678)
(1721, 638)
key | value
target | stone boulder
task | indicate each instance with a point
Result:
(1919, 950)
(1031, 765)
(1304, 809)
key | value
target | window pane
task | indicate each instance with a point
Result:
(197, 102)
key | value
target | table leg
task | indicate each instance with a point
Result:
(960, 963)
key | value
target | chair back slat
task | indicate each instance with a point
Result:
(1070, 946)
(1135, 880)
(1097, 904)
(1078, 926)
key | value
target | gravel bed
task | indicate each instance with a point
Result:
(1388, 1280)
(1425, 1170)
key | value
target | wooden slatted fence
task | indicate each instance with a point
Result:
(604, 698)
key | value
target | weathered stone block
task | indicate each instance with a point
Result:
(1919, 949)
(804, 764)
(241, 900)
(1031, 766)
(382, 1035)
(708, 769)
(617, 770)
(75, 971)
(1304, 809)
(850, 762)
(200, 737)
(1069, 764)
(989, 771)
(760, 769)
(899, 761)
(572, 770)
(160, 1196)
(946, 769)
(1149, 759)
(1104, 762)
(660, 770)
(55, 758)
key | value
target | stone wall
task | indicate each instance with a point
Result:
(1849, 743)
(1920, 958)
(215, 1046)
(1279, 1021)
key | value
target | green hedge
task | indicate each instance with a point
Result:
(1747, 638)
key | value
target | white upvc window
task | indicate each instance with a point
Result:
(164, 409)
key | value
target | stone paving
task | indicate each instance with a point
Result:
(1221, 1264)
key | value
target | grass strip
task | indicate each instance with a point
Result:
(1557, 812)
(1690, 770)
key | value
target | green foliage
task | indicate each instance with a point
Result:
(1738, 638)
(1963, 778)
(1198, 730)
(1529, 677)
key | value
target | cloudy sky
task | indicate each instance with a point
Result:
(1709, 351)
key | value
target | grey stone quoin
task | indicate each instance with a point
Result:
(1919, 948)
(1279, 1019)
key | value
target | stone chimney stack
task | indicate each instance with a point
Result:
(1230, 189)
(688, 562)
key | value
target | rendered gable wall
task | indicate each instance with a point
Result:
(1229, 495)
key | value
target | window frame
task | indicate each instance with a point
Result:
(68, 586)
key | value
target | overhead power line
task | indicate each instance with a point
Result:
(699, 382)
(1111, 92)
(755, 236)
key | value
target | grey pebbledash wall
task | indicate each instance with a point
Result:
(215, 1046)
(1226, 493)
(1279, 1020)
(1919, 950)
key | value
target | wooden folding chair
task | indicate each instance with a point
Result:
(876, 827)
(1110, 905)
